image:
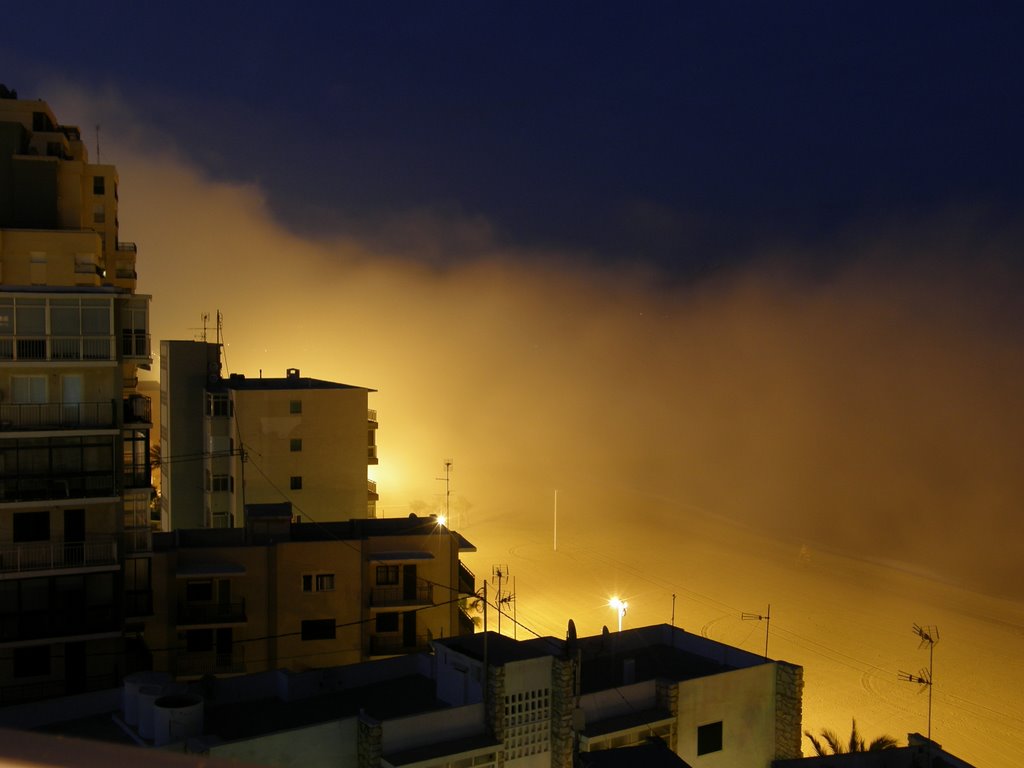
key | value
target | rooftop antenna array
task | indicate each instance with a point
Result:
(929, 636)
(500, 573)
(448, 464)
(766, 618)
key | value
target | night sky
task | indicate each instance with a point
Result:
(691, 136)
(762, 259)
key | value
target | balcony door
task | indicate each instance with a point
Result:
(409, 582)
(74, 535)
(71, 398)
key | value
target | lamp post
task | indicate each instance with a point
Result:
(620, 607)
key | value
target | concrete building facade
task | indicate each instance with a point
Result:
(75, 484)
(259, 441)
(284, 595)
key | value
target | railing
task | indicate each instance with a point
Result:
(195, 614)
(371, 414)
(382, 645)
(127, 247)
(56, 415)
(198, 663)
(85, 485)
(134, 343)
(467, 581)
(138, 477)
(46, 555)
(138, 409)
(400, 595)
(69, 621)
(371, 453)
(371, 488)
(55, 348)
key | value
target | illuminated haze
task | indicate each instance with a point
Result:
(872, 407)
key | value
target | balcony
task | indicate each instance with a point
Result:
(371, 454)
(371, 416)
(57, 348)
(211, 614)
(391, 645)
(467, 581)
(37, 416)
(199, 663)
(401, 596)
(37, 487)
(135, 344)
(69, 622)
(138, 409)
(371, 490)
(138, 540)
(45, 555)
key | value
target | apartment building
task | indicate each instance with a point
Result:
(287, 595)
(229, 442)
(74, 430)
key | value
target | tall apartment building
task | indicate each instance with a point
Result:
(74, 431)
(231, 442)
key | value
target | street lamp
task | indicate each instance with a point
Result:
(620, 607)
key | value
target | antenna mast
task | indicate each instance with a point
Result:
(929, 636)
(766, 618)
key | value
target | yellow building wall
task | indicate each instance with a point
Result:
(67, 255)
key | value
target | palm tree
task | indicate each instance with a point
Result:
(830, 743)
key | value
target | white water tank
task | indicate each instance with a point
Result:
(177, 717)
(130, 693)
(147, 695)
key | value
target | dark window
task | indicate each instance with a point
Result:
(296, 444)
(387, 622)
(709, 738)
(387, 574)
(32, 662)
(98, 185)
(307, 582)
(294, 406)
(199, 592)
(31, 526)
(318, 629)
(199, 640)
(320, 582)
(296, 482)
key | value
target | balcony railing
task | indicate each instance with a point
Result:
(399, 595)
(138, 540)
(202, 614)
(467, 581)
(47, 555)
(57, 348)
(385, 645)
(37, 625)
(199, 663)
(371, 415)
(138, 409)
(82, 485)
(371, 489)
(135, 343)
(56, 415)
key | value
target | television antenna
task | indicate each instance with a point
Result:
(448, 464)
(500, 573)
(766, 618)
(929, 636)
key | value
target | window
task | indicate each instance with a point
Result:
(99, 214)
(318, 629)
(99, 185)
(221, 483)
(199, 592)
(31, 526)
(217, 404)
(318, 582)
(28, 389)
(296, 482)
(32, 662)
(387, 574)
(709, 738)
(387, 622)
(294, 406)
(296, 444)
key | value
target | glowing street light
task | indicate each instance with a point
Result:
(619, 606)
